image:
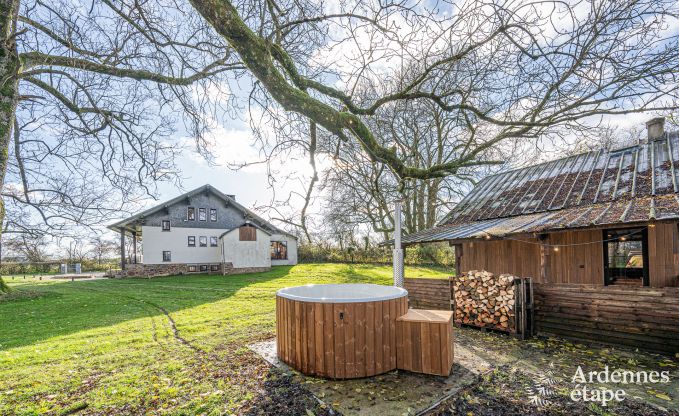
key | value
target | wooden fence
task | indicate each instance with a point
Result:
(428, 293)
(645, 318)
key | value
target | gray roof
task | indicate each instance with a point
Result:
(256, 220)
(605, 187)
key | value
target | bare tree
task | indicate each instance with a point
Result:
(90, 97)
(101, 248)
(76, 251)
(502, 74)
(503, 70)
(32, 248)
(533, 65)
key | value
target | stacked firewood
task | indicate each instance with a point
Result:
(485, 300)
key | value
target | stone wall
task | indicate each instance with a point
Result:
(243, 270)
(155, 269)
(169, 269)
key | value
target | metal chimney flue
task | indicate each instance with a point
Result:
(398, 250)
(655, 128)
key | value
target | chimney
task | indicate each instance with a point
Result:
(655, 128)
(234, 196)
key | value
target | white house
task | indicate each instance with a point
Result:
(202, 231)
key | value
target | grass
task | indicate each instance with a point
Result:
(174, 345)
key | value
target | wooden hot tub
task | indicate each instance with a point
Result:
(339, 331)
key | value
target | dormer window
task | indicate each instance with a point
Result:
(202, 215)
(166, 225)
(213, 214)
(191, 213)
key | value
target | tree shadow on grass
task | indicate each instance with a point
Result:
(57, 309)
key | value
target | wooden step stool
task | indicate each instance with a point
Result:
(424, 341)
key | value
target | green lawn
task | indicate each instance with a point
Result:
(171, 345)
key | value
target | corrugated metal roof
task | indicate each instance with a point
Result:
(604, 187)
(607, 213)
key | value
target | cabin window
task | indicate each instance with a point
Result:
(279, 250)
(202, 241)
(201, 214)
(214, 268)
(213, 241)
(213, 214)
(167, 256)
(192, 241)
(191, 213)
(193, 268)
(203, 267)
(626, 256)
(247, 233)
(166, 225)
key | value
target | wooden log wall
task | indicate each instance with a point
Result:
(663, 255)
(428, 293)
(644, 318)
(579, 258)
(338, 340)
(513, 257)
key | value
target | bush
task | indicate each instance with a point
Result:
(437, 254)
(3, 287)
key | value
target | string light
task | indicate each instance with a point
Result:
(621, 238)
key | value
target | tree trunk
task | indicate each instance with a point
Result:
(9, 82)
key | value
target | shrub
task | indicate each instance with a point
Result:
(3, 287)
(438, 254)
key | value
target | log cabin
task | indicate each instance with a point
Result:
(597, 232)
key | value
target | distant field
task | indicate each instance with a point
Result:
(173, 344)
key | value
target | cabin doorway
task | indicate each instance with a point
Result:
(626, 257)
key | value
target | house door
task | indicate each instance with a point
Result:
(626, 256)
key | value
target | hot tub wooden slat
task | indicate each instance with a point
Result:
(379, 351)
(318, 340)
(314, 340)
(329, 340)
(370, 338)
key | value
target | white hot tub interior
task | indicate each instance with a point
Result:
(342, 293)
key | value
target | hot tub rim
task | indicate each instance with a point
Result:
(400, 292)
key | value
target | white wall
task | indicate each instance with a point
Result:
(155, 241)
(247, 253)
(292, 249)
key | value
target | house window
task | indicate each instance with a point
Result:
(192, 241)
(247, 233)
(626, 256)
(193, 268)
(203, 267)
(202, 216)
(166, 225)
(213, 241)
(279, 250)
(213, 214)
(167, 256)
(214, 268)
(191, 213)
(203, 241)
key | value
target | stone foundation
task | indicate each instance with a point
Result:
(241, 270)
(169, 269)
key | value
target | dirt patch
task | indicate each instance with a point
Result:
(281, 394)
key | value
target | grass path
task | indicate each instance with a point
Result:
(172, 345)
